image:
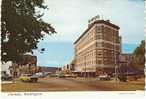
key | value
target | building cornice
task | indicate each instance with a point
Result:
(96, 22)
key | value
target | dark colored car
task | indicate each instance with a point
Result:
(122, 78)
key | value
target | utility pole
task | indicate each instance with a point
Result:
(85, 68)
(127, 63)
(116, 66)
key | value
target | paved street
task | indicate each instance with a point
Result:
(74, 84)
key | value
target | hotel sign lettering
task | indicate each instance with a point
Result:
(94, 19)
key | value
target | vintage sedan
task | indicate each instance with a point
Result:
(28, 78)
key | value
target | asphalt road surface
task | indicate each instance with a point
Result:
(73, 84)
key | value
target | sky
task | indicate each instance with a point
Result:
(70, 19)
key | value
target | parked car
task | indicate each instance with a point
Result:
(104, 77)
(47, 73)
(61, 75)
(70, 75)
(28, 78)
(74, 76)
(53, 75)
(40, 74)
(122, 78)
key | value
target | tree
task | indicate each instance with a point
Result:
(22, 27)
(138, 56)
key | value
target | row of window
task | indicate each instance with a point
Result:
(93, 63)
(106, 45)
(103, 28)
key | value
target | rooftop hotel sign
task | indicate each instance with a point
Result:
(94, 19)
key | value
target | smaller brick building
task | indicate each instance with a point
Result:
(27, 64)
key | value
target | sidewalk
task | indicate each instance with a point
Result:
(6, 82)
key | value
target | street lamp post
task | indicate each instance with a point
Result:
(116, 66)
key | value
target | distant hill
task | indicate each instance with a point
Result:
(49, 69)
(60, 53)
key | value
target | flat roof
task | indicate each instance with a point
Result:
(96, 22)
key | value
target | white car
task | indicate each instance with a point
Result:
(40, 74)
(104, 77)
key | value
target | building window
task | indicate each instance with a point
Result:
(99, 36)
(99, 61)
(99, 54)
(98, 29)
(98, 44)
(102, 28)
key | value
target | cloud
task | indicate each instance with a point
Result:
(51, 63)
(70, 17)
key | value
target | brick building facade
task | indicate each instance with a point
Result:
(98, 47)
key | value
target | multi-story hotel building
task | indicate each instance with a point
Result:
(98, 47)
